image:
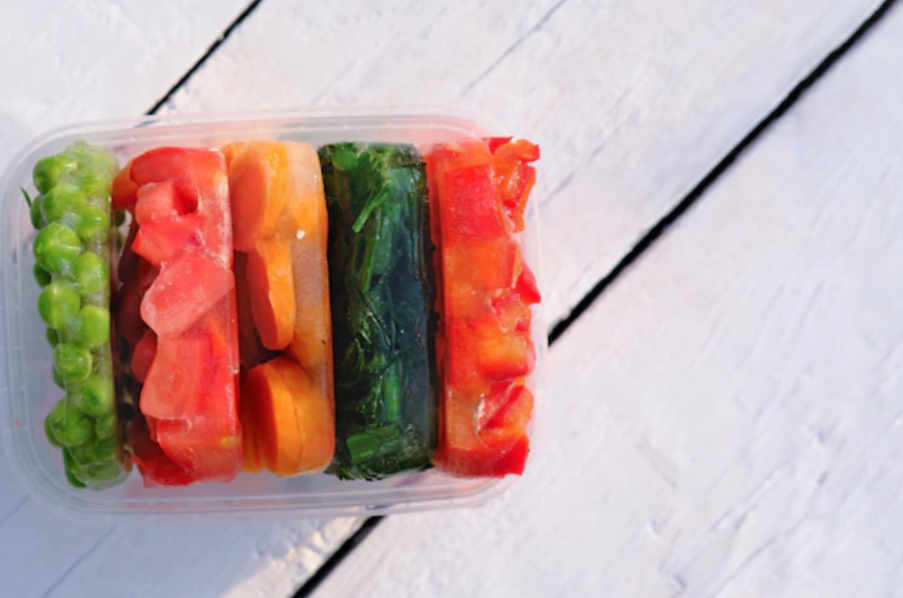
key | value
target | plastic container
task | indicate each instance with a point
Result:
(28, 391)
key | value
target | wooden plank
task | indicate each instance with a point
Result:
(632, 102)
(726, 418)
(287, 54)
(224, 559)
(37, 549)
(65, 62)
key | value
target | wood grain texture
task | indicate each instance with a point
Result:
(62, 63)
(238, 559)
(66, 62)
(727, 418)
(631, 102)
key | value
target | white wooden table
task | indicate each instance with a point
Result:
(722, 197)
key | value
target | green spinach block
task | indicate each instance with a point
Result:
(382, 290)
(72, 264)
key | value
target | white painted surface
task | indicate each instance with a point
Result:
(63, 62)
(729, 415)
(228, 560)
(632, 103)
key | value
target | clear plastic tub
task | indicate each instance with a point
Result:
(28, 390)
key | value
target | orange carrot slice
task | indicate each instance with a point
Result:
(258, 187)
(280, 221)
(252, 351)
(314, 416)
(230, 151)
(275, 427)
(270, 281)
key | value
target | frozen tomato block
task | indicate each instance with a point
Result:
(318, 313)
(280, 229)
(186, 360)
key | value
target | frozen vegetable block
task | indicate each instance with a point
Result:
(380, 260)
(280, 223)
(479, 191)
(72, 264)
(258, 332)
(179, 303)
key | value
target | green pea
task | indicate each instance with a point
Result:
(93, 182)
(57, 380)
(41, 275)
(82, 455)
(92, 222)
(95, 397)
(106, 449)
(93, 326)
(74, 481)
(56, 246)
(91, 273)
(68, 461)
(62, 200)
(94, 452)
(72, 362)
(93, 156)
(58, 413)
(119, 217)
(73, 470)
(49, 171)
(58, 303)
(105, 471)
(37, 216)
(77, 430)
(70, 427)
(105, 426)
(53, 337)
(48, 431)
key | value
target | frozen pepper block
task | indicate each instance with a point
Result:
(479, 191)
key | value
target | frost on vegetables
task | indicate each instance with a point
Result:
(362, 310)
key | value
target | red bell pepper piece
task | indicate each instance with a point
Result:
(479, 192)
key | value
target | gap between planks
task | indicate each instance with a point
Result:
(207, 54)
(656, 232)
(153, 110)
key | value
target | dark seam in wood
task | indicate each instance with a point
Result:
(353, 541)
(197, 65)
(539, 24)
(18, 507)
(77, 562)
(687, 202)
(308, 588)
